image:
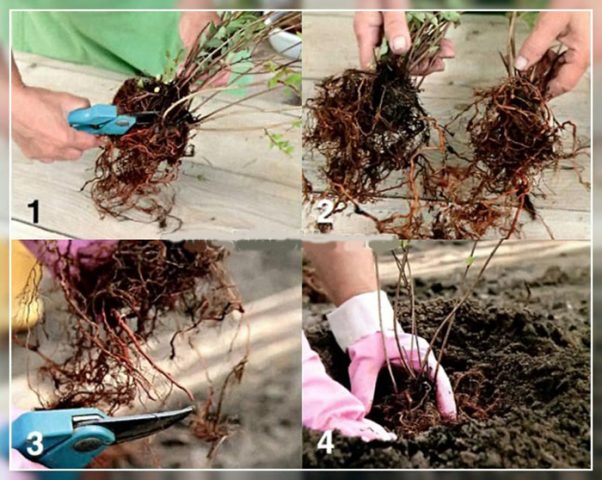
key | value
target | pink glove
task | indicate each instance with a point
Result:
(327, 405)
(89, 253)
(356, 327)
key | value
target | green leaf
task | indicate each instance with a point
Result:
(238, 77)
(278, 141)
(384, 48)
(235, 57)
(530, 18)
(470, 260)
(419, 17)
(450, 16)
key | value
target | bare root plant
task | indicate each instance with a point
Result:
(412, 403)
(119, 301)
(135, 173)
(374, 136)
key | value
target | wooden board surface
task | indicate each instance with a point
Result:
(235, 186)
(330, 47)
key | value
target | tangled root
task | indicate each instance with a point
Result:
(118, 299)
(367, 126)
(134, 172)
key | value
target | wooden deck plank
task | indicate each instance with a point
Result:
(235, 186)
(564, 224)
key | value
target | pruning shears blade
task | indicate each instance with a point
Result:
(134, 427)
(145, 118)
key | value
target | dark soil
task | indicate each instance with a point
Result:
(519, 360)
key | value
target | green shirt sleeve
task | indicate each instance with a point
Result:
(129, 42)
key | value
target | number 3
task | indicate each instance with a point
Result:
(37, 447)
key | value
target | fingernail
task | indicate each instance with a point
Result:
(399, 45)
(520, 63)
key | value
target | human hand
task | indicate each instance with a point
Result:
(572, 29)
(40, 127)
(327, 405)
(356, 326)
(191, 25)
(369, 28)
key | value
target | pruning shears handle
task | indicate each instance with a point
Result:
(72, 438)
(101, 119)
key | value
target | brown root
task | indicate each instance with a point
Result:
(118, 300)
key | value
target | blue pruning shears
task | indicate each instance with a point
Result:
(71, 438)
(105, 120)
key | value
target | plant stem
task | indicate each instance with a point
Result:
(380, 320)
(451, 315)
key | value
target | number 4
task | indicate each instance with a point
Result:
(325, 442)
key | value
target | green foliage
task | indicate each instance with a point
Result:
(530, 18)
(227, 41)
(172, 66)
(284, 75)
(278, 141)
(416, 19)
(470, 260)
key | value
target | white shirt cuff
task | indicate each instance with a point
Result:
(358, 317)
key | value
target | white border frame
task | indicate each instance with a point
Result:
(302, 237)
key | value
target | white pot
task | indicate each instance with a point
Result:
(285, 43)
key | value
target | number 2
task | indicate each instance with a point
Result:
(325, 442)
(326, 207)
(37, 447)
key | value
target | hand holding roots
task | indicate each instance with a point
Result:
(371, 127)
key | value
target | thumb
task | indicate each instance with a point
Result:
(446, 402)
(72, 102)
(548, 28)
(396, 32)
(79, 140)
(363, 376)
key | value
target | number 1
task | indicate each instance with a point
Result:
(35, 206)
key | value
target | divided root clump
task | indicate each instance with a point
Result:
(518, 359)
(376, 138)
(120, 298)
(368, 125)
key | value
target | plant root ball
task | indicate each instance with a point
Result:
(513, 133)
(114, 308)
(366, 125)
(135, 170)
